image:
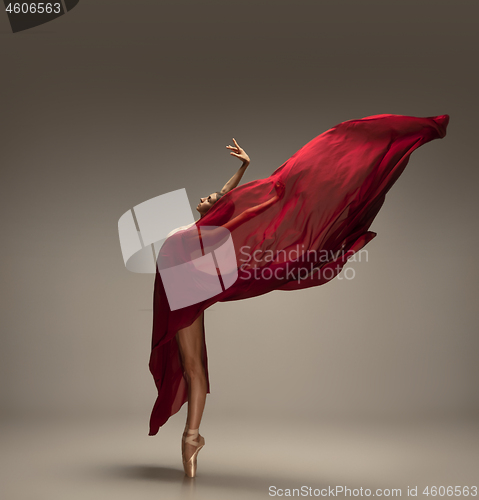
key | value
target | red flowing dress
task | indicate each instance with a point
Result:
(334, 186)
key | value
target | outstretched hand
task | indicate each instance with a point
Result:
(280, 188)
(239, 152)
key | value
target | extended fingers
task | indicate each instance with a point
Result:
(237, 147)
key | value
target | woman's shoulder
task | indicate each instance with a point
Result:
(181, 228)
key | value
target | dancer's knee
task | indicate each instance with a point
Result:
(194, 370)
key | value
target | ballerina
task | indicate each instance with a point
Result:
(190, 338)
(323, 198)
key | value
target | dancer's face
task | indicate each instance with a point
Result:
(206, 203)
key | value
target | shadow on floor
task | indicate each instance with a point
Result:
(206, 480)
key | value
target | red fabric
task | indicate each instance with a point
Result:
(334, 187)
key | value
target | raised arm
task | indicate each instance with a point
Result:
(241, 154)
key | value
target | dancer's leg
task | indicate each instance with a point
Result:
(190, 343)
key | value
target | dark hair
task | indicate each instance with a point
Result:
(218, 195)
(222, 212)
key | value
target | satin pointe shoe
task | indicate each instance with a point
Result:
(189, 437)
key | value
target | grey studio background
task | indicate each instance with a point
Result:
(119, 102)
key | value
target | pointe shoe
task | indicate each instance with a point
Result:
(190, 465)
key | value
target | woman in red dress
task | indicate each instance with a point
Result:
(190, 343)
(320, 202)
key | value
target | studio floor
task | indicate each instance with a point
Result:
(242, 459)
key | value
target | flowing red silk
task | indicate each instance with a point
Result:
(334, 186)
